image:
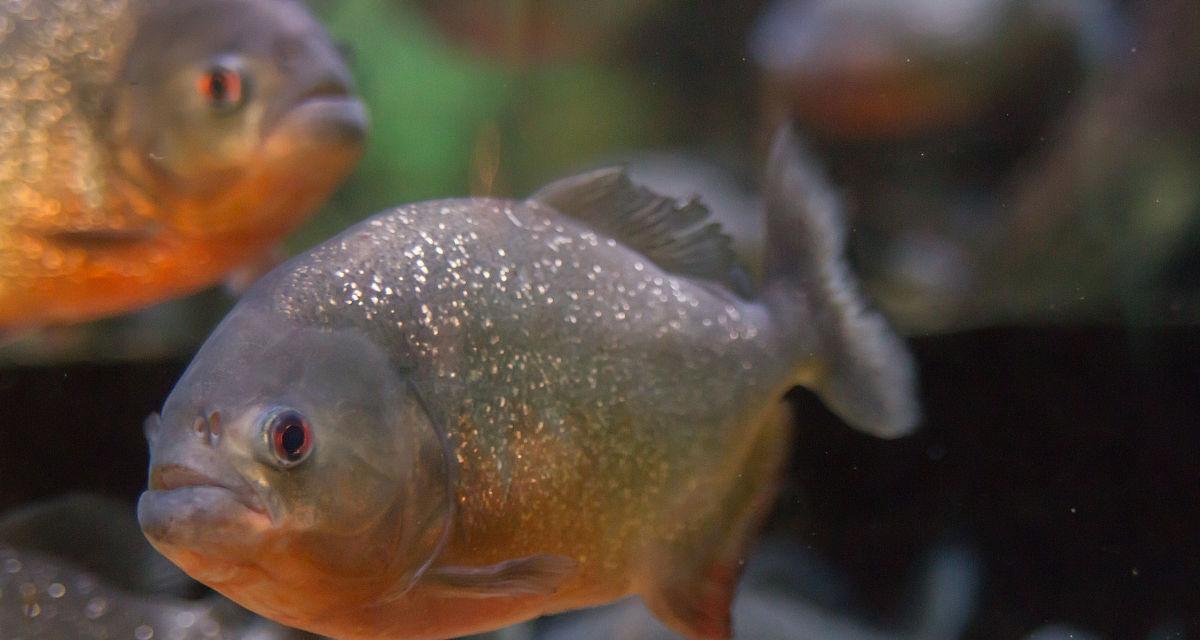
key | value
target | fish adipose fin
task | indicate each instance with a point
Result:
(861, 369)
(678, 237)
(692, 581)
(534, 575)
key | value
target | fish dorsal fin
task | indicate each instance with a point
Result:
(678, 237)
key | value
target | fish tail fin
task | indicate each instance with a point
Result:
(847, 352)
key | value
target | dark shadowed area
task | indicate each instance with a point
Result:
(1065, 458)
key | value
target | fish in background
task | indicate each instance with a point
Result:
(894, 69)
(462, 414)
(919, 107)
(79, 567)
(150, 148)
(1002, 161)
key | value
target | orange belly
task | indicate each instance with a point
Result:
(44, 282)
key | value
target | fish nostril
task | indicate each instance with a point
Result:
(208, 428)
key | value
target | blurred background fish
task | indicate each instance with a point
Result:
(1005, 161)
(149, 148)
(78, 567)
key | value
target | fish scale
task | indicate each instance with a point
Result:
(47, 103)
(525, 390)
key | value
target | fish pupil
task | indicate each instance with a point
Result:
(222, 86)
(216, 87)
(292, 439)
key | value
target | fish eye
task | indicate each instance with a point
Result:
(223, 86)
(289, 436)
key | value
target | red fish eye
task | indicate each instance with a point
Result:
(290, 436)
(222, 87)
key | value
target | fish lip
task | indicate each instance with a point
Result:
(327, 111)
(169, 477)
(330, 87)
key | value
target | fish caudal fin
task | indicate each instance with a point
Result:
(849, 355)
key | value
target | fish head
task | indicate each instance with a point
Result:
(293, 469)
(233, 117)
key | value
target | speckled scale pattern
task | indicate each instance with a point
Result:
(57, 60)
(42, 600)
(589, 396)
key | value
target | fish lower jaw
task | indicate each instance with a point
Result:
(222, 575)
(206, 521)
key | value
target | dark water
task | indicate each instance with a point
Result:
(1067, 459)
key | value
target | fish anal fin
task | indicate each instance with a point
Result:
(679, 237)
(699, 611)
(536, 575)
(696, 578)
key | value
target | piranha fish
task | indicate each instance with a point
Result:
(78, 567)
(462, 414)
(150, 147)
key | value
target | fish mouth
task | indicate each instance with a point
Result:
(327, 88)
(176, 478)
(326, 110)
(207, 527)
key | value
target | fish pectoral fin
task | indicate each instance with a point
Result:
(536, 575)
(679, 237)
